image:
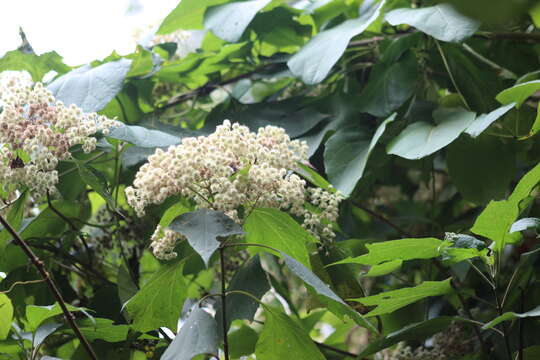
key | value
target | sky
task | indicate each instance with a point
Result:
(79, 30)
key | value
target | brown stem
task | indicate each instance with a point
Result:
(54, 289)
(335, 349)
(381, 218)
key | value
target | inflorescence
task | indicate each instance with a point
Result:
(233, 170)
(37, 131)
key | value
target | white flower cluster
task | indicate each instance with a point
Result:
(164, 241)
(36, 131)
(234, 169)
(185, 42)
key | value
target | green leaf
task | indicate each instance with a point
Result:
(347, 152)
(36, 315)
(89, 88)
(402, 249)
(102, 329)
(384, 268)
(421, 139)
(143, 137)
(188, 15)
(229, 21)
(48, 223)
(389, 86)
(14, 218)
(483, 121)
(197, 336)
(518, 93)
(6, 314)
(97, 181)
(159, 302)
(277, 229)
(497, 218)
(295, 117)
(310, 278)
(37, 66)
(389, 301)
(333, 302)
(511, 316)
(173, 212)
(315, 60)
(203, 227)
(242, 341)
(412, 332)
(313, 177)
(43, 332)
(250, 278)
(482, 168)
(282, 338)
(441, 21)
(524, 224)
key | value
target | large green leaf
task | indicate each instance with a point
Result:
(277, 229)
(203, 227)
(37, 66)
(421, 139)
(89, 88)
(347, 152)
(188, 15)
(389, 86)
(197, 336)
(6, 314)
(228, 21)
(282, 338)
(519, 93)
(159, 302)
(497, 218)
(403, 249)
(143, 137)
(315, 60)
(250, 278)
(389, 301)
(511, 316)
(482, 168)
(482, 122)
(441, 21)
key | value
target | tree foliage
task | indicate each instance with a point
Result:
(423, 114)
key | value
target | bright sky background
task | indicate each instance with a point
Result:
(79, 30)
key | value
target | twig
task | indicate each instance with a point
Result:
(447, 66)
(335, 349)
(21, 283)
(54, 289)
(381, 218)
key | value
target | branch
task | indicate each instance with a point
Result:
(54, 289)
(381, 218)
(208, 88)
